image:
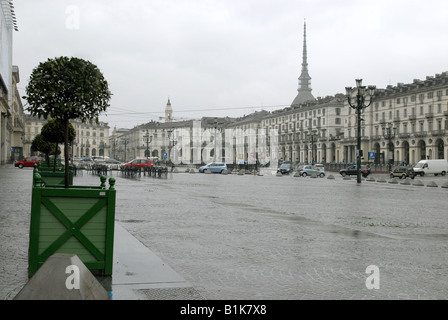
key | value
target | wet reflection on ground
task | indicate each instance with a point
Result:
(245, 237)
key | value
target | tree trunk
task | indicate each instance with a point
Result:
(55, 157)
(66, 155)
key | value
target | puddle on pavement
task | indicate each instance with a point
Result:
(330, 228)
(131, 221)
(316, 225)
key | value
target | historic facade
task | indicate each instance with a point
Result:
(309, 132)
(92, 139)
(16, 120)
(405, 123)
(11, 110)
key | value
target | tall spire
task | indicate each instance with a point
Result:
(304, 79)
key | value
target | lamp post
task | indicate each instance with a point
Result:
(359, 105)
(217, 125)
(313, 155)
(170, 131)
(389, 134)
(147, 138)
(214, 138)
(125, 142)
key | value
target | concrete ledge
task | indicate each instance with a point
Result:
(137, 268)
(418, 183)
(406, 182)
(432, 184)
(53, 282)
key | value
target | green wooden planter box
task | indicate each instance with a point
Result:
(78, 220)
(50, 178)
(51, 163)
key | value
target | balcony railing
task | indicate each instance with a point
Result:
(404, 135)
(421, 134)
(437, 133)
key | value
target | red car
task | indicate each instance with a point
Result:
(28, 162)
(139, 163)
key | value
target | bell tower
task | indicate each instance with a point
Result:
(168, 112)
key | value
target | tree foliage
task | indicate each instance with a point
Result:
(67, 88)
(54, 131)
(39, 144)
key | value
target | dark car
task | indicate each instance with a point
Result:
(28, 162)
(285, 168)
(352, 171)
(403, 173)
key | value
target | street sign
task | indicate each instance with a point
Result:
(371, 155)
(165, 155)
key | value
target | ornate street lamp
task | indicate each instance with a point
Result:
(170, 131)
(362, 95)
(389, 134)
(313, 150)
(148, 139)
(125, 141)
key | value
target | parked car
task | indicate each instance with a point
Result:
(217, 167)
(113, 164)
(309, 170)
(403, 173)
(285, 168)
(28, 162)
(365, 171)
(139, 163)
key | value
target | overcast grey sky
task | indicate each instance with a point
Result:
(231, 57)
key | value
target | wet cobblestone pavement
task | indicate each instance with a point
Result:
(266, 237)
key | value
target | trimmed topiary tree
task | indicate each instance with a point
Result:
(67, 88)
(39, 144)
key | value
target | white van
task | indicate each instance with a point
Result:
(431, 167)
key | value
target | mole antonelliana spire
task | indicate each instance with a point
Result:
(304, 79)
